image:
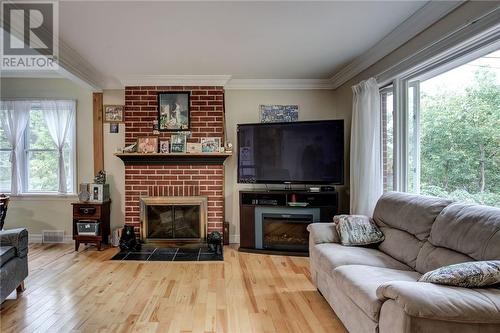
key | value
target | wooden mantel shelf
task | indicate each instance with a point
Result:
(173, 158)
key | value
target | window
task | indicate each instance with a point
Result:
(38, 161)
(387, 107)
(5, 165)
(451, 133)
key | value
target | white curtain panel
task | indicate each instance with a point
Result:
(14, 116)
(59, 117)
(366, 166)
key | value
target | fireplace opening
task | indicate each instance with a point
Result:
(286, 231)
(167, 219)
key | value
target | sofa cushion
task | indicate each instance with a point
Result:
(355, 230)
(360, 284)
(412, 213)
(406, 221)
(431, 257)
(6, 253)
(468, 274)
(473, 230)
(331, 256)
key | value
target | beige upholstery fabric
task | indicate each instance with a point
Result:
(431, 257)
(432, 301)
(348, 312)
(360, 284)
(411, 213)
(323, 233)
(393, 245)
(393, 319)
(406, 219)
(470, 229)
(330, 256)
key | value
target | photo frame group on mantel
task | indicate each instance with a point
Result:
(173, 111)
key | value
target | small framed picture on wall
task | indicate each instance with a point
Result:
(113, 113)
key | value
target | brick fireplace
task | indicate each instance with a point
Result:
(174, 179)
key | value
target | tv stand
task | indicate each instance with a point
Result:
(274, 221)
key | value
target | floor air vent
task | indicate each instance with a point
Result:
(53, 236)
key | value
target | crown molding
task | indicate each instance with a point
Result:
(175, 80)
(423, 18)
(279, 84)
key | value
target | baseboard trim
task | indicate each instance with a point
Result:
(234, 239)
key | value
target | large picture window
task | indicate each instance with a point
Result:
(451, 134)
(45, 155)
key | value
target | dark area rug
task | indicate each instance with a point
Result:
(191, 253)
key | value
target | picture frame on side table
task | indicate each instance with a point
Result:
(173, 111)
(113, 113)
(178, 143)
(147, 144)
(210, 145)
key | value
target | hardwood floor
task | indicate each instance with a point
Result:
(68, 291)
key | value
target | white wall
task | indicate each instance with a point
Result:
(115, 170)
(242, 106)
(52, 213)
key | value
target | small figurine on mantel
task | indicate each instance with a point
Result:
(100, 178)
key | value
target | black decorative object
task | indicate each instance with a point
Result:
(214, 241)
(100, 178)
(128, 241)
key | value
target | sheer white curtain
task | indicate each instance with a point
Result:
(59, 117)
(14, 116)
(366, 165)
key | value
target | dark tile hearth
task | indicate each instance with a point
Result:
(198, 253)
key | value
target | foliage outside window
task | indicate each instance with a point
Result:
(40, 164)
(452, 128)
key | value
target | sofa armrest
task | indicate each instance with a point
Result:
(17, 238)
(446, 303)
(323, 233)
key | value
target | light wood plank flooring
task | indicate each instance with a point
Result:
(68, 291)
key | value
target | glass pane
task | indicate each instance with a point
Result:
(38, 134)
(413, 139)
(4, 144)
(387, 99)
(42, 171)
(5, 171)
(459, 132)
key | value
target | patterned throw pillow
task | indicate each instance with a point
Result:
(357, 230)
(467, 274)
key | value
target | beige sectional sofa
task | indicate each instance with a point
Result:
(375, 289)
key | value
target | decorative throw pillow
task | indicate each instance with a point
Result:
(357, 230)
(468, 274)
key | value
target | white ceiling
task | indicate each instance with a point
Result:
(250, 40)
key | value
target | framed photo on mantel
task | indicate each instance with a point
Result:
(173, 111)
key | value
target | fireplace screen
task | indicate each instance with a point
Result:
(173, 222)
(285, 231)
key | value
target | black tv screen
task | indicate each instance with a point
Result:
(307, 152)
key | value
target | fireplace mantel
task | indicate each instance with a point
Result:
(173, 158)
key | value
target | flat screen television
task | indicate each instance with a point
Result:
(306, 152)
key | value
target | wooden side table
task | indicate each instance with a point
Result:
(91, 212)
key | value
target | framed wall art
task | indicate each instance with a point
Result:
(278, 113)
(113, 113)
(173, 111)
(178, 143)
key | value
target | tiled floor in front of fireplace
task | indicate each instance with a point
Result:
(200, 253)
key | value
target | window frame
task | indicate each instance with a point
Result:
(401, 85)
(24, 163)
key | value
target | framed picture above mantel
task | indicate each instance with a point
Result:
(173, 110)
